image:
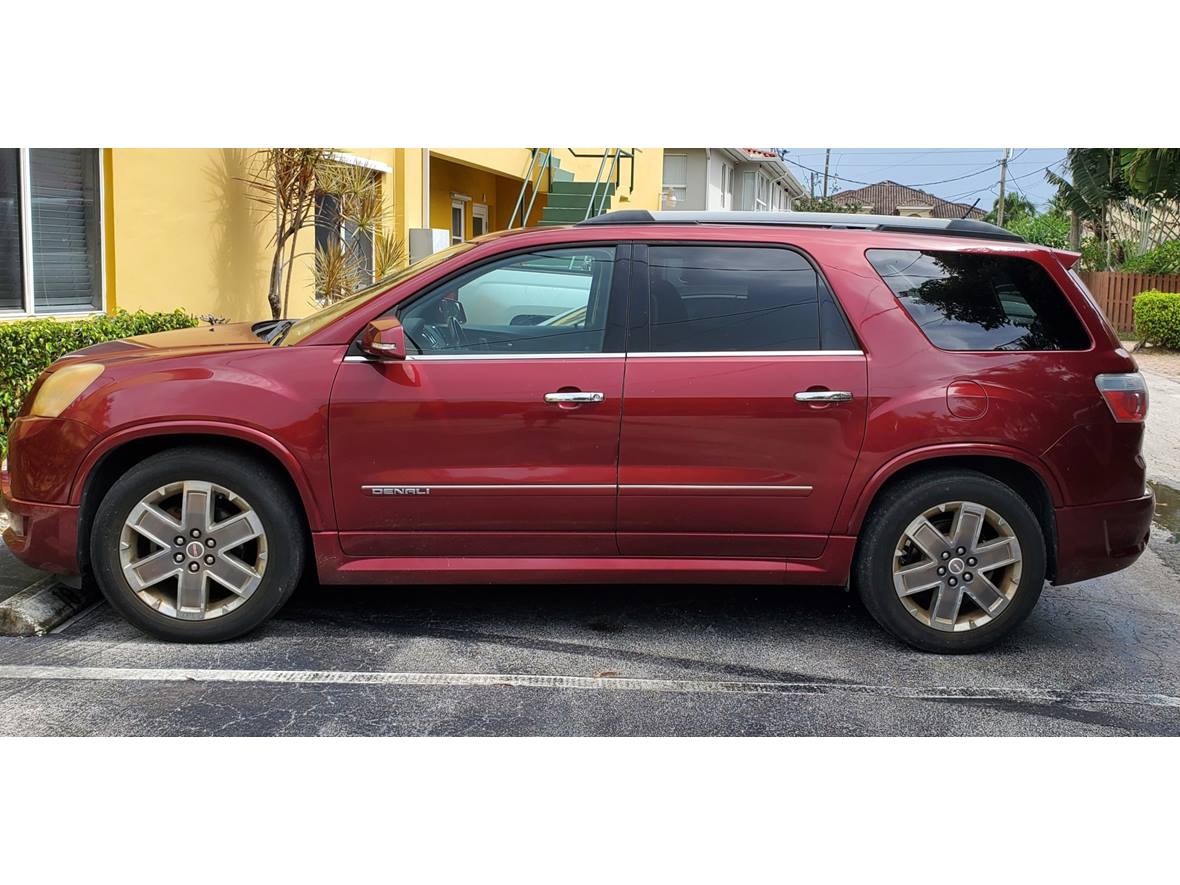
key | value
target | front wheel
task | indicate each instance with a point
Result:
(951, 562)
(197, 545)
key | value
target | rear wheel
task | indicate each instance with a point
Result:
(197, 545)
(951, 562)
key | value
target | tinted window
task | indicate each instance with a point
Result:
(718, 299)
(974, 301)
(540, 302)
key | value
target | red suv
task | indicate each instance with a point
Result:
(933, 412)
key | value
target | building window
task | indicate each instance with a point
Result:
(479, 220)
(337, 231)
(762, 193)
(675, 190)
(50, 231)
(726, 186)
(457, 228)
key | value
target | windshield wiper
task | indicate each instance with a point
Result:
(278, 332)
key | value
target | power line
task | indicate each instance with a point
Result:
(920, 184)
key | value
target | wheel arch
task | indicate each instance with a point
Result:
(115, 455)
(1038, 489)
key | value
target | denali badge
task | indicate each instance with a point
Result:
(383, 491)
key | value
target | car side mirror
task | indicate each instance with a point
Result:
(384, 339)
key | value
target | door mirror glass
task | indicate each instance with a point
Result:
(384, 339)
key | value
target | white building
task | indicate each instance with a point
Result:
(745, 179)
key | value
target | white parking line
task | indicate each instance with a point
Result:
(520, 680)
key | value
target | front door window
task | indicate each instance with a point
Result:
(553, 301)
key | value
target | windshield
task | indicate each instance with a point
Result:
(308, 325)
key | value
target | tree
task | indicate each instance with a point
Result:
(283, 180)
(1152, 173)
(821, 204)
(1016, 207)
(360, 248)
(1095, 183)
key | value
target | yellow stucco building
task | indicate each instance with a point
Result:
(90, 230)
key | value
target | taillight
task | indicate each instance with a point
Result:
(1125, 394)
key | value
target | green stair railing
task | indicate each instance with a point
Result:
(542, 161)
(545, 156)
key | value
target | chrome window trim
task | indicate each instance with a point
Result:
(469, 357)
(649, 354)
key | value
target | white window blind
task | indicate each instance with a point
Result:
(64, 211)
(11, 275)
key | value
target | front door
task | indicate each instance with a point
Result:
(500, 435)
(745, 405)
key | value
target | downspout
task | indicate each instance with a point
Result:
(426, 187)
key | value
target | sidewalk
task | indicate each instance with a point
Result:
(14, 574)
(1161, 441)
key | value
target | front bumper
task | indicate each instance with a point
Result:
(44, 536)
(1098, 539)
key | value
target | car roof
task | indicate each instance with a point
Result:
(954, 227)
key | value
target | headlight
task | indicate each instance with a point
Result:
(62, 388)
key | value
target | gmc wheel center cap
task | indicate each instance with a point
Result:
(955, 566)
(195, 549)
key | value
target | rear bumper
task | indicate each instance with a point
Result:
(43, 536)
(1098, 539)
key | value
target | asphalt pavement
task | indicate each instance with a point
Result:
(1101, 657)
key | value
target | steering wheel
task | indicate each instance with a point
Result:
(456, 334)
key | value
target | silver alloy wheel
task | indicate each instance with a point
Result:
(193, 550)
(957, 566)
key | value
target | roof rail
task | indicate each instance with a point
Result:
(951, 227)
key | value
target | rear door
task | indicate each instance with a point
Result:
(500, 435)
(745, 404)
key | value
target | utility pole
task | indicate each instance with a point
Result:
(827, 158)
(813, 185)
(1003, 178)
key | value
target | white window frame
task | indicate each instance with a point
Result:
(28, 308)
(726, 186)
(677, 188)
(461, 205)
(761, 192)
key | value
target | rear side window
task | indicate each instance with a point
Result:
(976, 301)
(719, 299)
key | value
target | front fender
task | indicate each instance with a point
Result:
(316, 503)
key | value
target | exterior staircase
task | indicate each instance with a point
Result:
(568, 201)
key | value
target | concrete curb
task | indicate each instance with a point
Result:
(40, 607)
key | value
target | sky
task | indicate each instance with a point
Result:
(977, 171)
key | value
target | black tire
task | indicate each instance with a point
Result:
(889, 518)
(269, 497)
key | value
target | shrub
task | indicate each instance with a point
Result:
(1157, 318)
(1164, 258)
(28, 346)
(1048, 230)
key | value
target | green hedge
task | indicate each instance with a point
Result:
(28, 346)
(1157, 318)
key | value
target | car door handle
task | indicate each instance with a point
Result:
(823, 396)
(574, 396)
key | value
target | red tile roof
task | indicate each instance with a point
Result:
(761, 152)
(884, 197)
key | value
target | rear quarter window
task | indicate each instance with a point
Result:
(977, 301)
